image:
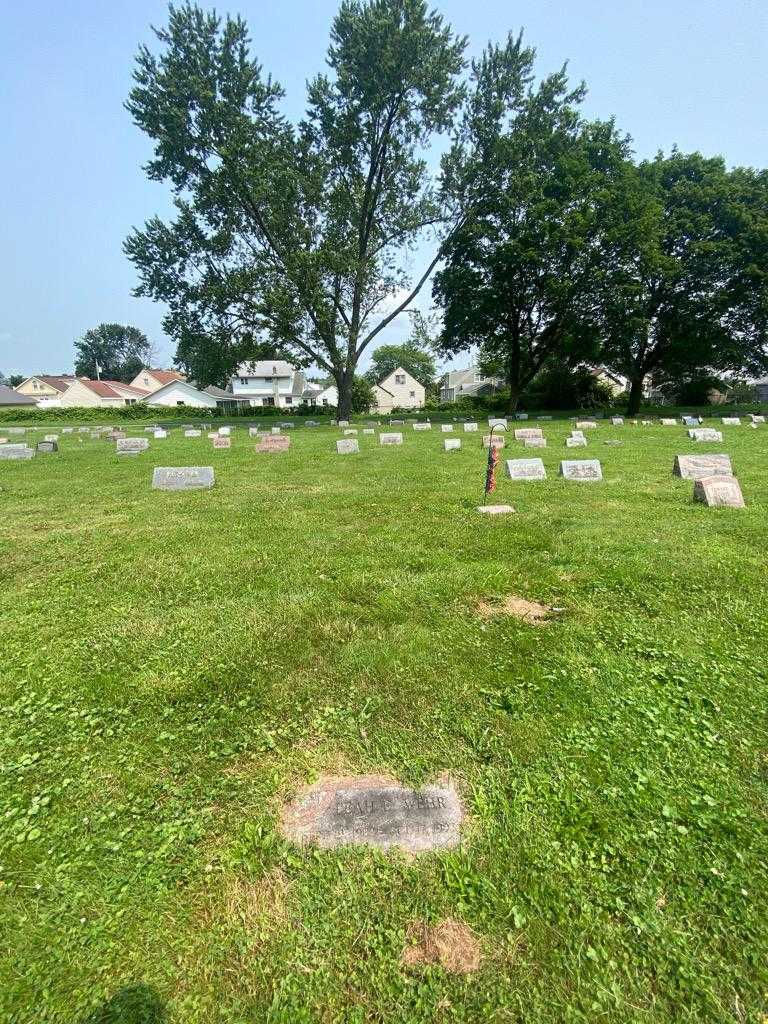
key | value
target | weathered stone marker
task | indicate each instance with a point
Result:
(696, 467)
(495, 510)
(719, 492)
(182, 478)
(271, 443)
(348, 446)
(470, 428)
(222, 441)
(521, 415)
(369, 430)
(160, 435)
(756, 419)
(224, 431)
(446, 428)
(705, 434)
(617, 421)
(422, 426)
(276, 430)
(586, 425)
(528, 432)
(452, 444)
(731, 421)
(193, 433)
(581, 469)
(11, 452)
(254, 431)
(47, 447)
(575, 442)
(498, 422)
(526, 469)
(535, 442)
(351, 431)
(131, 445)
(373, 810)
(390, 438)
(488, 439)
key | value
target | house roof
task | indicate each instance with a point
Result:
(400, 369)
(183, 384)
(10, 397)
(109, 388)
(166, 376)
(265, 368)
(59, 382)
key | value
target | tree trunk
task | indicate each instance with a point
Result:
(514, 398)
(635, 395)
(344, 381)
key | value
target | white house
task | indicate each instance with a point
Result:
(321, 394)
(180, 392)
(399, 390)
(275, 382)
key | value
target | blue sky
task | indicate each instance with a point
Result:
(691, 72)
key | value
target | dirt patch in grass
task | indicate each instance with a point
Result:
(450, 943)
(258, 906)
(527, 611)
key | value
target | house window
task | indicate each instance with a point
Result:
(399, 378)
(288, 400)
(146, 382)
(412, 394)
(325, 401)
(243, 380)
(179, 403)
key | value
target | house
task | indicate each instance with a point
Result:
(268, 382)
(277, 383)
(399, 390)
(325, 394)
(45, 388)
(152, 380)
(180, 392)
(761, 389)
(9, 396)
(468, 383)
(104, 394)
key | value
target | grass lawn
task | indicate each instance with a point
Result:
(175, 665)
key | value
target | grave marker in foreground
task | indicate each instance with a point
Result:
(375, 811)
(390, 438)
(581, 469)
(452, 444)
(16, 452)
(718, 492)
(47, 447)
(182, 478)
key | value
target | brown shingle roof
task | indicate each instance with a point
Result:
(61, 382)
(167, 376)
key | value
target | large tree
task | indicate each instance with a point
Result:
(689, 252)
(113, 351)
(293, 234)
(522, 276)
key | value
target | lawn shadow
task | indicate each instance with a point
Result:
(133, 1004)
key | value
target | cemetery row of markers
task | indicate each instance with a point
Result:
(714, 481)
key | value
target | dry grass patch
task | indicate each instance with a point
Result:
(259, 907)
(450, 942)
(527, 611)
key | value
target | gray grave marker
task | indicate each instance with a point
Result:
(390, 438)
(718, 492)
(581, 469)
(182, 478)
(526, 469)
(131, 445)
(452, 444)
(348, 446)
(696, 467)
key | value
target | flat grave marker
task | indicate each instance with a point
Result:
(498, 422)
(131, 445)
(273, 443)
(526, 469)
(495, 510)
(47, 447)
(222, 441)
(528, 432)
(452, 444)
(182, 478)
(705, 434)
(347, 446)
(535, 442)
(351, 431)
(470, 428)
(16, 452)
(666, 421)
(731, 421)
(375, 811)
(390, 438)
(586, 425)
(617, 421)
(193, 433)
(369, 430)
(422, 426)
(488, 439)
(446, 428)
(575, 442)
(581, 469)
(160, 435)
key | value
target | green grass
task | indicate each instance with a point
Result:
(174, 665)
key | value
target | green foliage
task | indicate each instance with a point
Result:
(14, 379)
(689, 286)
(120, 352)
(559, 386)
(291, 234)
(362, 395)
(416, 361)
(523, 274)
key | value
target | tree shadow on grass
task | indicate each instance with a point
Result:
(133, 1004)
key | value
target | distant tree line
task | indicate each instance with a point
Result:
(552, 245)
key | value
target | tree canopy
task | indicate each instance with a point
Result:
(523, 274)
(688, 247)
(292, 234)
(413, 355)
(119, 351)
